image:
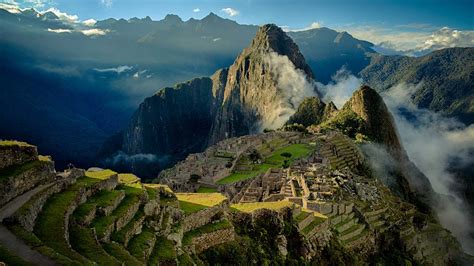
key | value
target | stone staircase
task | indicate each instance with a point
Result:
(341, 152)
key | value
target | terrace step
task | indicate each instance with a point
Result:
(141, 246)
(351, 232)
(52, 224)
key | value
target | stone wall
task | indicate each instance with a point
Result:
(40, 172)
(11, 155)
(27, 214)
(203, 217)
(205, 241)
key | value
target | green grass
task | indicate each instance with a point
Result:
(275, 160)
(128, 178)
(14, 143)
(102, 199)
(121, 254)
(103, 174)
(252, 206)
(50, 227)
(189, 207)
(152, 192)
(11, 259)
(202, 189)
(83, 241)
(317, 221)
(302, 216)
(34, 242)
(132, 196)
(164, 250)
(208, 228)
(120, 235)
(140, 243)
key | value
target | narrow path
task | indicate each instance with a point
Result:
(11, 241)
(12, 206)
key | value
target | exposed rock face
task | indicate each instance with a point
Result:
(173, 121)
(256, 95)
(17, 154)
(185, 119)
(379, 123)
(379, 126)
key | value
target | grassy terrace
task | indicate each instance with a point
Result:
(50, 222)
(140, 243)
(164, 250)
(194, 202)
(317, 221)
(121, 254)
(102, 199)
(128, 178)
(120, 235)
(14, 143)
(250, 207)
(275, 160)
(208, 228)
(132, 196)
(83, 241)
(202, 189)
(11, 259)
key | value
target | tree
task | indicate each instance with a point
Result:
(286, 154)
(254, 156)
(194, 178)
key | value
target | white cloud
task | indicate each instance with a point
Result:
(412, 39)
(340, 89)
(36, 3)
(89, 22)
(107, 3)
(60, 30)
(446, 37)
(433, 142)
(293, 87)
(216, 39)
(196, 10)
(118, 70)
(11, 7)
(94, 32)
(313, 25)
(230, 11)
(62, 15)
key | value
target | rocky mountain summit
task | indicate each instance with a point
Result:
(187, 118)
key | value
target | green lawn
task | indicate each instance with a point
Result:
(273, 161)
(121, 254)
(140, 243)
(189, 207)
(83, 241)
(14, 143)
(206, 190)
(50, 227)
(164, 250)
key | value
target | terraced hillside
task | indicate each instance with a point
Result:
(100, 217)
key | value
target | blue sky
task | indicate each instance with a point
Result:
(401, 25)
(295, 14)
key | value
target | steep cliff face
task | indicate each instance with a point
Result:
(378, 124)
(175, 121)
(262, 89)
(265, 85)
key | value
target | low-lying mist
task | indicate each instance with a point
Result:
(432, 141)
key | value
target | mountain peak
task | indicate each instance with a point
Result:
(271, 38)
(173, 19)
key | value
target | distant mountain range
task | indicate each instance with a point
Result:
(68, 85)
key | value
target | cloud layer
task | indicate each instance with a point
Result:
(340, 89)
(293, 88)
(230, 11)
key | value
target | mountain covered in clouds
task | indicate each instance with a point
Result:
(92, 75)
(444, 79)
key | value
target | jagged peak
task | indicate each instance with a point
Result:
(172, 18)
(271, 38)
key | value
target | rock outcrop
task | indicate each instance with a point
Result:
(187, 118)
(312, 111)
